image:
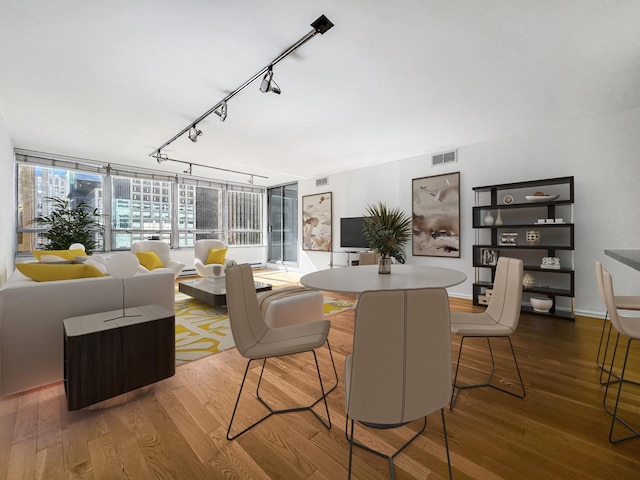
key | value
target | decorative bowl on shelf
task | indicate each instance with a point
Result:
(541, 198)
(541, 304)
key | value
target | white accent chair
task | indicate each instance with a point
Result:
(255, 340)
(201, 252)
(163, 251)
(400, 368)
(500, 319)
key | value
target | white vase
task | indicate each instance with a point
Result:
(488, 219)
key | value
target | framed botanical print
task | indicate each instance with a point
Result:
(316, 222)
(436, 215)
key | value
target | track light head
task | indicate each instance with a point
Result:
(194, 133)
(322, 24)
(221, 111)
(268, 85)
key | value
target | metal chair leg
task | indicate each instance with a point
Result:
(272, 411)
(392, 472)
(614, 413)
(458, 388)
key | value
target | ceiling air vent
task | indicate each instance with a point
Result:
(444, 158)
(322, 181)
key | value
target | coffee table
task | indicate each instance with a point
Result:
(212, 291)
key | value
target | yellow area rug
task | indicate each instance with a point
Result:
(203, 330)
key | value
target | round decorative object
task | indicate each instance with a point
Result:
(533, 237)
(528, 280)
(541, 304)
(507, 199)
(76, 246)
(123, 265)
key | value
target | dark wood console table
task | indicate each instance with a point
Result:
(105, 356)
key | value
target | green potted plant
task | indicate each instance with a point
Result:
(387, 231)
(67, 225)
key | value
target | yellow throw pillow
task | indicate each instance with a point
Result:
(65, 254)
(149, 260)
(216, 255)
(48, 272)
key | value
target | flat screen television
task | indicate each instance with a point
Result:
(351, 233)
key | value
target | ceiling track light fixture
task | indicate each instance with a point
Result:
(162, 157)
(222, 111)
(194, 133)
(320, 25)
(268, 85)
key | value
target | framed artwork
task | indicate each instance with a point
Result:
(508, 239)
(436, 215)
(489, 256)
(316, 222)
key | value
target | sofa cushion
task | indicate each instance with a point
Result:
(216, 255)
(65, 254)
(48, 272)
(149, 260)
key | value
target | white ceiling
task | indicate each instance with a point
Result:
(113, 80)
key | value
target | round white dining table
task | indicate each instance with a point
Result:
(366, 277)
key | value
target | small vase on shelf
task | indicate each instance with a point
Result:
(488, 219)
(499, 218)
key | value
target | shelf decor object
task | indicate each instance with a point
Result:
(533, 237)
(541, 213)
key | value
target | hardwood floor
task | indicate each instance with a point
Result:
(176, 429)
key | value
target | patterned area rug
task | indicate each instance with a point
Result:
(203, 330)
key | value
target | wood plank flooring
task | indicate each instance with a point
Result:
(176, 428)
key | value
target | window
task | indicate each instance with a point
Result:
(35, 183)
(139, 204)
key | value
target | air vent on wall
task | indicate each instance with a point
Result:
(444, 158)
(322, 181)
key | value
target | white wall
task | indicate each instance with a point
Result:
(602, 154)
(8, 202)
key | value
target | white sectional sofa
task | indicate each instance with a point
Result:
(31, 316)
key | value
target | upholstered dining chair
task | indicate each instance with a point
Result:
(623, 302)
(368, 258)
(500, 319)
(161, 249)
(400, 367)
(630, 327)
(257, 341)
(211, 257)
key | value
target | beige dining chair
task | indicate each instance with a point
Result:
(255, 340)
(368, 258)
(623, 302)
(499, 320)
(400, 367)
(630, 327)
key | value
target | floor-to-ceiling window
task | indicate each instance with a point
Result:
(282, 204)
(138, 204)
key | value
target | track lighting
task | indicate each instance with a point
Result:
(221, 111)
(194, 133)
(189, 170)
(320, 25)
(268, 85)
